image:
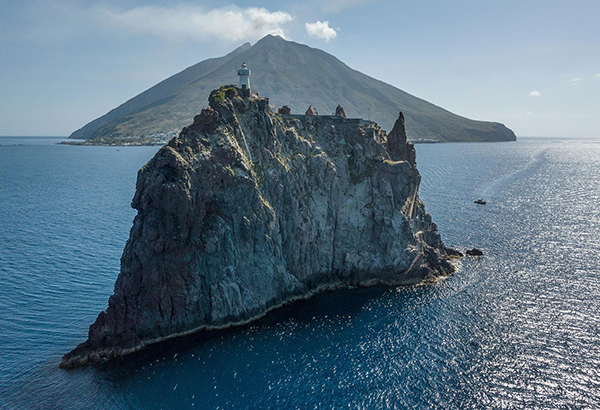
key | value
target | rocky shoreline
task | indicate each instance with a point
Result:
(82, 355)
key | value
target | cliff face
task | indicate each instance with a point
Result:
(247, 210)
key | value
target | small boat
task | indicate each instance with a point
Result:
(480, 201)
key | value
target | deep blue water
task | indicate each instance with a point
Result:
(516, 329)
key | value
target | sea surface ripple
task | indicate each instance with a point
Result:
(516, 329)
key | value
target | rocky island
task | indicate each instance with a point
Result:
(249, 209)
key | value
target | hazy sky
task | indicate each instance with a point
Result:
(532, 65)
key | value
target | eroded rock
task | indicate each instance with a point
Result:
(311, 111)
(247, 210)
(285, 110)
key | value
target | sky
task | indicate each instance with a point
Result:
(533, 65)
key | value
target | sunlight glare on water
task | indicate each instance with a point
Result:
(516, 329)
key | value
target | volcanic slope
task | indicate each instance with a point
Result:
(289, 74)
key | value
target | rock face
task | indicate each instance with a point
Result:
(340, 112)
(247, 210)
(284, 110)
(311, 111)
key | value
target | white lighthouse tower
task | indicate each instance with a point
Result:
(244, 74)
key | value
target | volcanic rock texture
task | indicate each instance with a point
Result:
(247, 210)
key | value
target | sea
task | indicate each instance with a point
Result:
(518, 328)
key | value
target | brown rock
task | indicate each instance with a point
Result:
(311, 111)
(285, 110)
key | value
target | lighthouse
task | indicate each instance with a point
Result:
(244, 74)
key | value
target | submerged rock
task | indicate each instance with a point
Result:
(247, 210)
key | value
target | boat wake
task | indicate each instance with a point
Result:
(500, 184)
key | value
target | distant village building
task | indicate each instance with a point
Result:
(244, 74)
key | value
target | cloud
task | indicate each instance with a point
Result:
(321, 30)
(534, 93)
(575, 80)
(597, 75)
(183, 21)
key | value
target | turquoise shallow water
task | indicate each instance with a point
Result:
(517, 329)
